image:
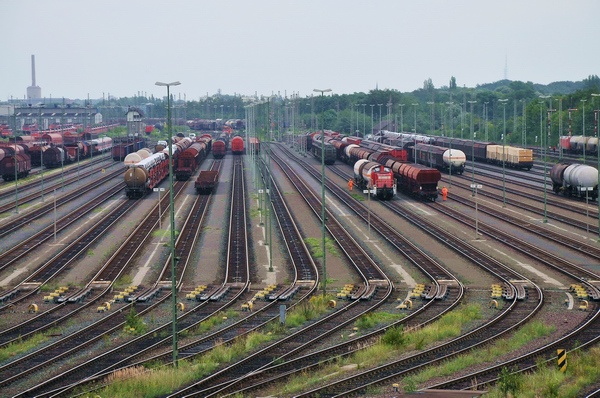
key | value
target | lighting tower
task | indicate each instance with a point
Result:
(323, 194)
(172, 215)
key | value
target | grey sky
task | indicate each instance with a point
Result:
(122, 47)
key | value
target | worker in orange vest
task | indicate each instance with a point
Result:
(350, 184)
(444, 193)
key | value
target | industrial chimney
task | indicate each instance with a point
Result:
(33, 91)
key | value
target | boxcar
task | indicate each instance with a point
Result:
(8, 169)
(219, 148)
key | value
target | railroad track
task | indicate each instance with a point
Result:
(55, 181)
(30, 216)
(377, 288)
(533, 227)
(562, 203)
(98, 287)
(264, 311)
(119, 356)
(588, 330)
(52, 268)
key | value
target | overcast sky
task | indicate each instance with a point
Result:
(123, 47)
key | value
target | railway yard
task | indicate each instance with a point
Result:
(85, 277)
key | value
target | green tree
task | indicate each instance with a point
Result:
(452, 84)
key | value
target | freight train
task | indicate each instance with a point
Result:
(577, 144)
(15, 165)
(443, 159)
(323, 150)
(144, 175)
(575, 180)
(487, 152)
(59, 154)
(413, 179)
(189, 160)
(141, 176)
(121, 149)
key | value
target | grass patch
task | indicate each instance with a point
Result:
(123, 282)
(155, 381)
(21, 346)
(358, 196)
(374, 319)
(393, 343)
(583, 370)
(523, 336)
(306, 311)
(315, 245)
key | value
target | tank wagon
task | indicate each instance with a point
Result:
(146, 174)
(323, 149)
(575, 179)
(443, 159)
(237, 145)
(19, 164)
(189, 160)
(206, 181)
(578, 143)
(137, 156)
(379, 178)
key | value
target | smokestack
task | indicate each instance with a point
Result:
(33, 91)
(32, 70)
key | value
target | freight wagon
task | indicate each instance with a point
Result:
(141, 177)
(219, 148)
(189, 160)
(206, 181)
(575, 180)
(415, 179)
(443, 159)
(18, 165)
(254, 145)
(323, 150)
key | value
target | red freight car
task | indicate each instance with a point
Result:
(415, 179)
(8, 169)
(189, 160)
(206, 181)
(219, 148)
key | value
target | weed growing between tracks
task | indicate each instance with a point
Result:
(522, 337)
(583, 369)
(159, 381)
(393, 344)
(21, 346)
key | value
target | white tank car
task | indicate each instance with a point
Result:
(580, 175)
(454, 158)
